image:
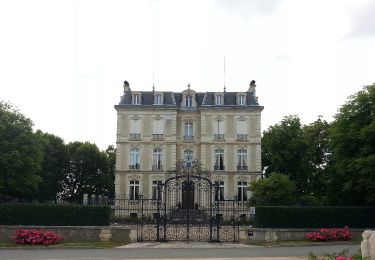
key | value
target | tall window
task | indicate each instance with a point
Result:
(188, 101)
(219, 159)
(219, 190)
(219, 100)
(241, 100)
(157, 129)
(156, 192)
(158, 99)
(242, 191)
(241, 159)
(188, 135)
(134, 190)
(135, 126)
(136, 100)
(218, 129)
(241, 130)
(134, 159)
(188, 157)
(157, 163)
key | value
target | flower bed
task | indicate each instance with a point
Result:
(36, 237)
(330, 234)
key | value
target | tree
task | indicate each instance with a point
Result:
(285, 150)
(87, 172)
(54, 165)
(353, 150)
(316, 135)
(20, 154)
(275, 190)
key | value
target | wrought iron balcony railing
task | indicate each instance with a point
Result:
(218, 137)
(135, 137)
(188, 138)
(241, 137)
(241, 168)
(157, 167)
(135, 167)
(219, 168)
(158, 137)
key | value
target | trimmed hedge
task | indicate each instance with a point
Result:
(54, 215)
(314, 217)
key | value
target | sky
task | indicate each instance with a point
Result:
(63, 63)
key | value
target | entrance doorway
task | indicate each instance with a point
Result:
(188, 195)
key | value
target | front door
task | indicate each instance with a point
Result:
(188, 195)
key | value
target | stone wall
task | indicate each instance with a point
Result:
(368, 244)
(280, 234)
(124, 234)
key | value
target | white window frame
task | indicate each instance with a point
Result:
(189, 101)
(242, 191)
(219, 100)
(158, 126)
(157, 157)
(158, 99)
(156, 194)
(136, 99)
(135, 126)
(135, 157)
(219, 159)
(134, 190)
(219, 190)
(241, 157)
(188, 129)
(241, 131)
(241, 100)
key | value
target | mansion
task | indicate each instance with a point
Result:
(156, 129)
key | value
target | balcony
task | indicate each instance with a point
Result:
(135, 137)
(188, 138)
(241, 168)
(157, 137)
(218, 137)
(157, 168)
(241, 137)
(219, 168)
(135, 167)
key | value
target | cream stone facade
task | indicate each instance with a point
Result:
(156, 129)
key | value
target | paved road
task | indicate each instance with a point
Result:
(162, 253)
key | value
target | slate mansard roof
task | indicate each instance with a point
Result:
(173, 100)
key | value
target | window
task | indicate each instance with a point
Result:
(219, 190)
(135, 129)
(241, 130)
(219, 100)
(188, 135)
(241, 100)
(134, 190)
(188, 101)
(156, 192)
(157, 129)
(219, 160)
(218, 129)
(241, 160)
(188, 157)
(158, 99)
(242, 191)
(157, 164)
(136, 99)
(134, 159)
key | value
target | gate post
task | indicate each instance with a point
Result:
(158, 215)
(218, 221)
(141, 201)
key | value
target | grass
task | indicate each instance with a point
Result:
(90, 244)
(297, 243)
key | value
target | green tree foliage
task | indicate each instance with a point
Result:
(87, 172)
(353, 149)
(275, 190)
(285, 150)
(20, 154)
(54, 165)
(316, 135)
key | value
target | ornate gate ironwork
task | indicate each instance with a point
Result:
(186, 209)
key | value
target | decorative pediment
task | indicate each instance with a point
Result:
(157, 177)
(243, 178)
(134, 176)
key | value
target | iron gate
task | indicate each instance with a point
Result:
(186, 210)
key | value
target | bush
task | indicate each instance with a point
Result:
(36, 237)
(314, 217)
(54, 215)
(330, 234)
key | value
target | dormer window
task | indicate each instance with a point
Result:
(189, 101)
(241, 100)
(158, 99)
(136, 100)
(219, 100)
